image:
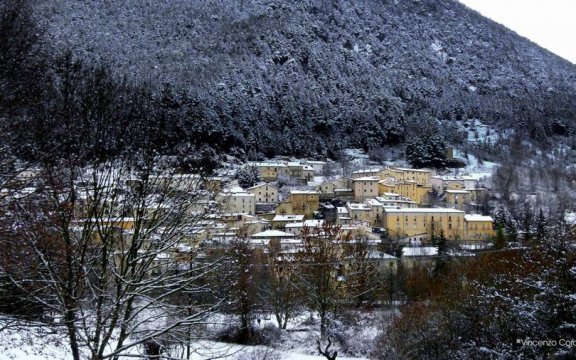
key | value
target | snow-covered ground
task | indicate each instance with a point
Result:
(475, 168)
(479, 133)
(354, 341)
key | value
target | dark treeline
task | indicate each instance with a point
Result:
(263, 78)
(59, 106)
(267, 78)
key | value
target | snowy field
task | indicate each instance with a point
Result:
(355, 335)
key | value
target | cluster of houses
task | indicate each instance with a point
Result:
(375, 205)
(396, 201)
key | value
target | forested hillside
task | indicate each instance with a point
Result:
(268, 76)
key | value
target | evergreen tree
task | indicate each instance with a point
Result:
(527, 219)
(426, 150)
(500, 241)
(248, 176)
(541, 225)
(443, 260)
(504, 219)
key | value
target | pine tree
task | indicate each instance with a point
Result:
(443, 260)
(541, 225)
(500, 241)
(248, 176)
(527, 219)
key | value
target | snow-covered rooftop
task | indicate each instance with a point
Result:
(424, 210)
(420, 251)
(272, 233)
(261, 184)
(368, 178)
(288, 218)
(457, 191)
(301, 192)
(313, 223)
(263, 164)
(475, 217)
(415, 170)
(373, 202)
(363, 171)
(356, 206)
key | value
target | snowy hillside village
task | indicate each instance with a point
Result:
(274, 202)
(403, 205)
(164, 222)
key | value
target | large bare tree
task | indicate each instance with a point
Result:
(105, 250)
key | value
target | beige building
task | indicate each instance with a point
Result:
(270, 171)
(279, 222)
(330, 188)
(213, 184)
(318, 166)
(421, 223)
(302, 202)
(264, 193)
(377, 209)
(441, 183)
(479, 228)
(300, 171)
(419, 176)
(457, 198)
(420, 194)
(360, 212)
(397, 200)
(366, 188)
(237, 202)
(411, 189)
(274, 240)
(342, 215)
(296, 228)
(365, 173)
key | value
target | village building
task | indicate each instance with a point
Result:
(410, 189)
(365, 173)
(342, 215)
(319, 167)
(264, 193)
(442, 183)
(366, 187)
(419, 176)
(360, 212)
(296, 228)
(418, 256)
(279, 221)
(237, 202)
(274, 241)
(422, 223)
(269, 171)
(301, 202)
(457, 198)
(479, 227)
